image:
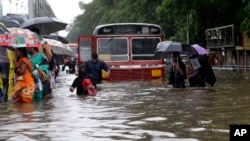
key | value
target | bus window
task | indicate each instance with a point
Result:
(144, 48)
(113, 49)
(74, 48)
(85, 50)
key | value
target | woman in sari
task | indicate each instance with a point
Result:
(39, 62)
(25, 87)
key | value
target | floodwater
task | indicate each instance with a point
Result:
(132, 111)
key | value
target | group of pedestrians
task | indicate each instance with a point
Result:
(32, 66)
(33, 73)
(199, 72)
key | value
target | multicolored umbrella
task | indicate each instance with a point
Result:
(20, 38)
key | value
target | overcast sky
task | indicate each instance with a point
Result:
(66, 10)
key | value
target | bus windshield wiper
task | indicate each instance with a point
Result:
(108, 41)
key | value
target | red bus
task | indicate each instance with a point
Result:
(74, 47)
(127, 48)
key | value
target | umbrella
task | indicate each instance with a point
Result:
(68, 50)
(166, 47)
(3, 29)
(56, 37)
(10, 21)
(58, 47)
(20, 19)
(200, 49)
(20, 38)
(44, 25)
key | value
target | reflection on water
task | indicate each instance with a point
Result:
(132, 111)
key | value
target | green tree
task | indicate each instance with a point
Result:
(175, 16)
(245, 25)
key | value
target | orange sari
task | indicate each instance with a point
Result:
(25, 87)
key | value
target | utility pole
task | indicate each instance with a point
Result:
(187, 28)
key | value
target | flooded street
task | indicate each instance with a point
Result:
(131, 111)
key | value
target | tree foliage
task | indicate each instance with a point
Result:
(175, 16)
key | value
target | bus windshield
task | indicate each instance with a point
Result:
(116, 49)
(144, 48)
(113, 49)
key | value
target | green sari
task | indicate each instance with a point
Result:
(42, 62)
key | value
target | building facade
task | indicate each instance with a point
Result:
(39, 8)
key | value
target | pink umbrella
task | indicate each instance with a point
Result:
(201, 50)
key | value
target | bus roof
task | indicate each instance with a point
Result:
(127, 28)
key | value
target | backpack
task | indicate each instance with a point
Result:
(87, 85)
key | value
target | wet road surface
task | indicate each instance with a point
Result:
(141, 110)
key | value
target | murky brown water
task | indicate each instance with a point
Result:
(132, 111)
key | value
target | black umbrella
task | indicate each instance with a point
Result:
(20, 19)
(166, 47)
(3, 29)
(57, 37)
(44, 25)
(9, 21)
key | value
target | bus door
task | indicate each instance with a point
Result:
(85, 48)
